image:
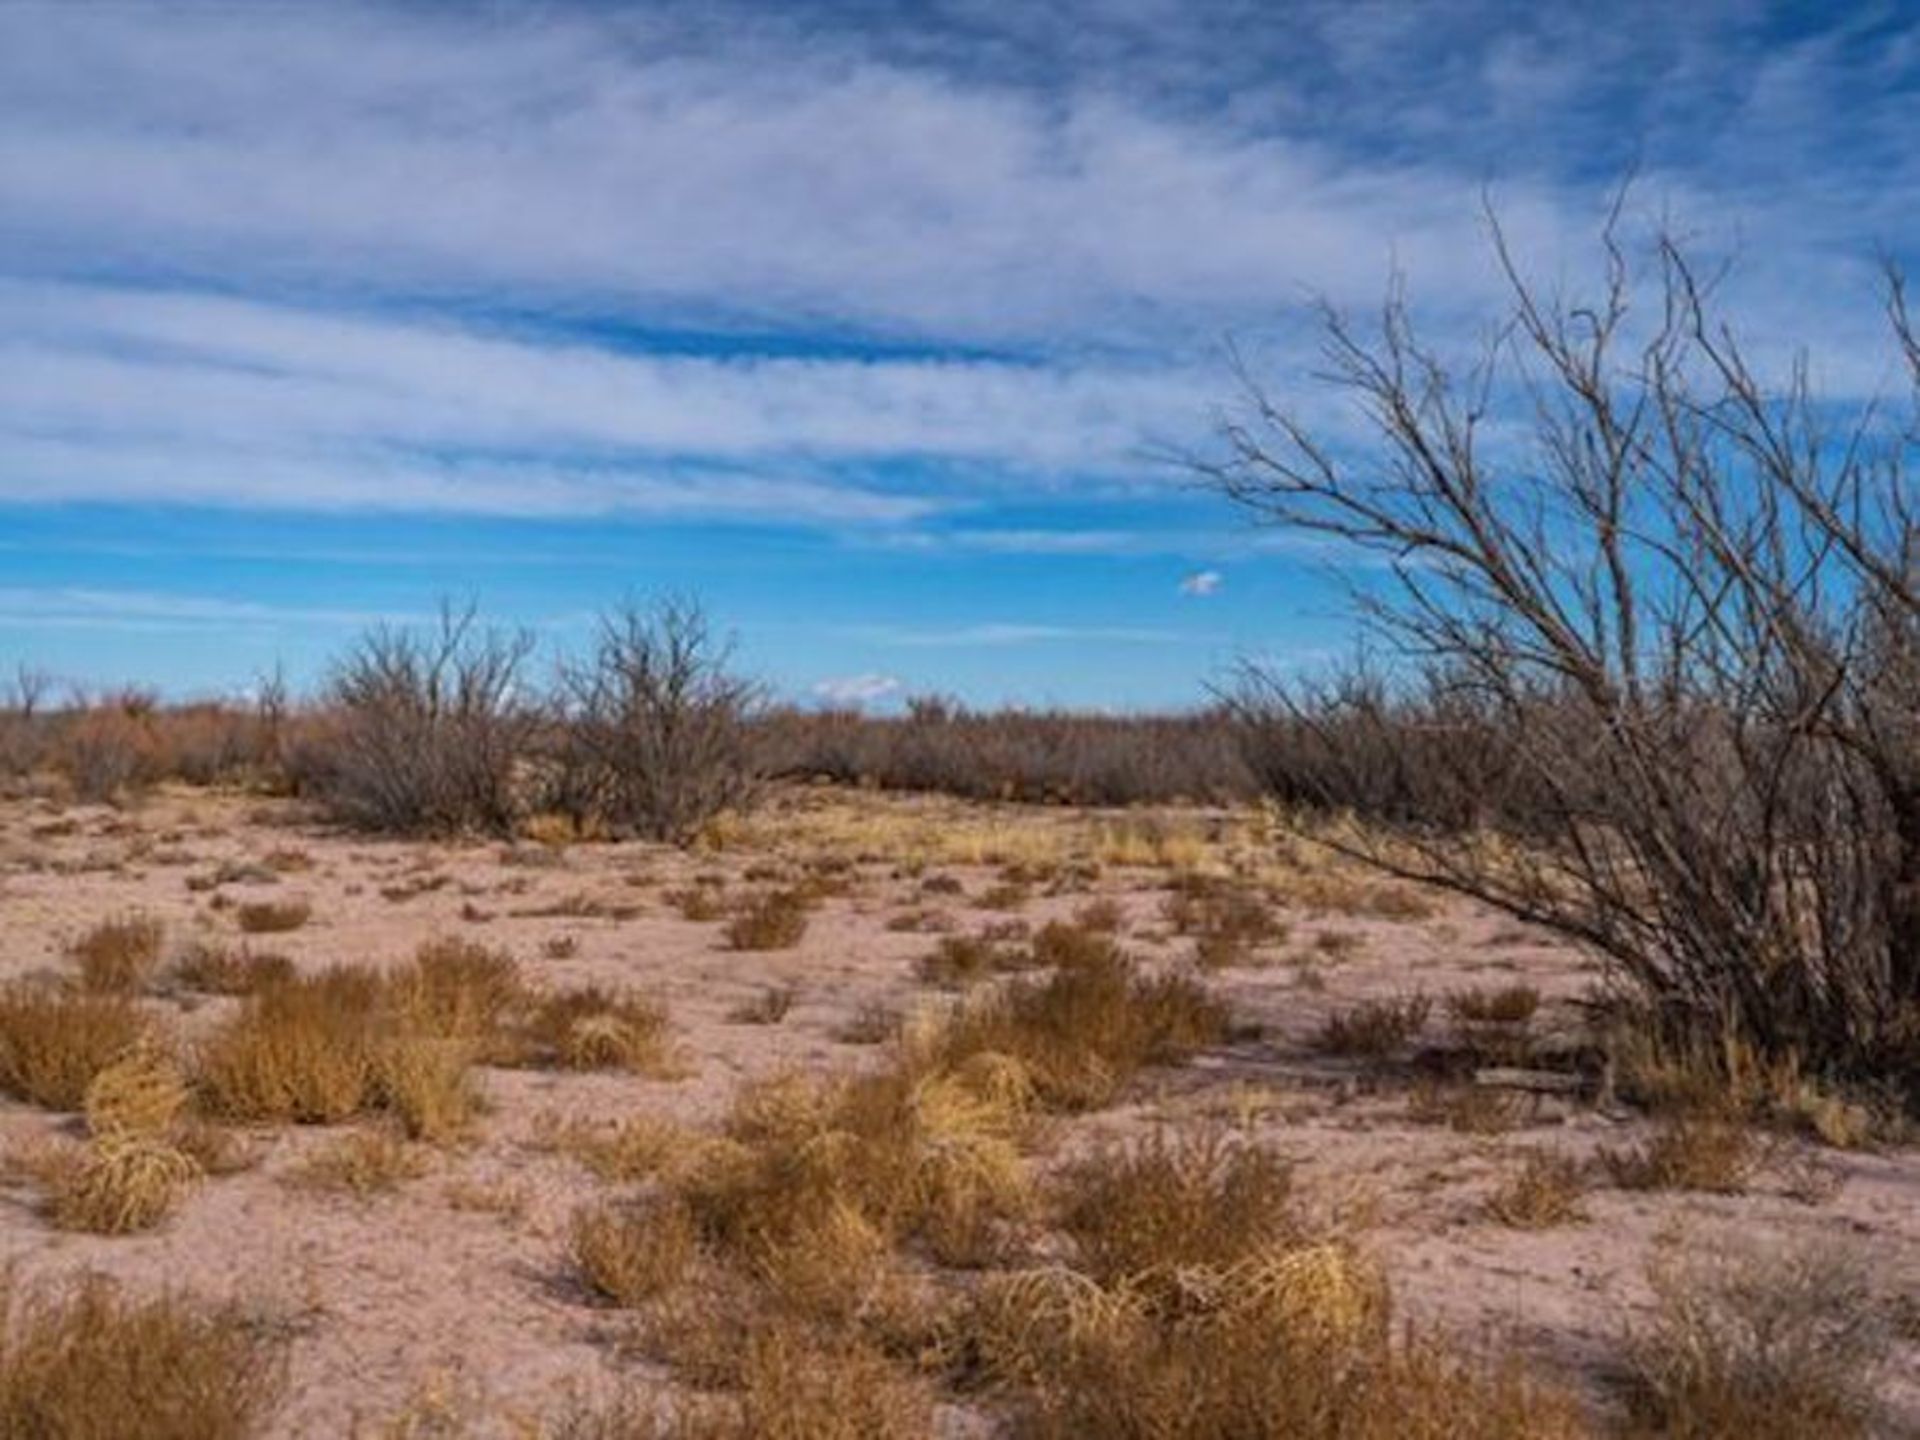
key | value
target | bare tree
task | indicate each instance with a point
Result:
(655, 732)
(1683, 602)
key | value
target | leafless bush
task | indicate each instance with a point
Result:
(654, 737)
(1681, 616)
(1054, 756)
(23, 723)
(423, 730)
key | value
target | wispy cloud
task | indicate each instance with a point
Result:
(1202, 583)
(857, 690)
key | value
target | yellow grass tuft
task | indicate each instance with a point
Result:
(118, 956)
(84, 1363)
(53, 1043)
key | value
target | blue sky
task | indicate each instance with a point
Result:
(867, 324)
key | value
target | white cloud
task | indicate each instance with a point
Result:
(1202, 583)
(857, 690)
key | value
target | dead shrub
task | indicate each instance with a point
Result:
(776, 920)
(118, 956)
(273, 917)
(422, 732)
(81, 1362)
(53, 1043)
(141, 1093)
(657, 740)
(1544, 1192)
(699, 903)
(1772, 1345)
(1375, 1029)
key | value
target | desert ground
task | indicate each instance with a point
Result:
(435, 1287)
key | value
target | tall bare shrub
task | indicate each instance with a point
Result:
(423, 730)
(655, 736)
(1685, 597)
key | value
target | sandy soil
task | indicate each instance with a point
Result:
(452, 1297)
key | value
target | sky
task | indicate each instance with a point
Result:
(873, 327)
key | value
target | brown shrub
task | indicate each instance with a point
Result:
(83, 1363)
(118, 956)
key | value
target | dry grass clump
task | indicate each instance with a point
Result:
(1153, 1213)
(361, 1163)
(1693, 1152)
(141, 1093)
(597, 1029)
(1544, 1192)
(630, 1254)
(1065, 946)
(800, 1384)
(273, 917)
(872, 1024)
(1200, 1308)
(776, 920)
(1774, 1345)
(462, 991)
(1085, 1031)
(117, 1183)
(816, 1182)
(1375, 1029)
(305, 1050)
(117, 957)
(221, 970)
(638, 1148)
(699, 902)
(84, 1363)
(1228, 923)
(53, 1042)
(961, 960)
